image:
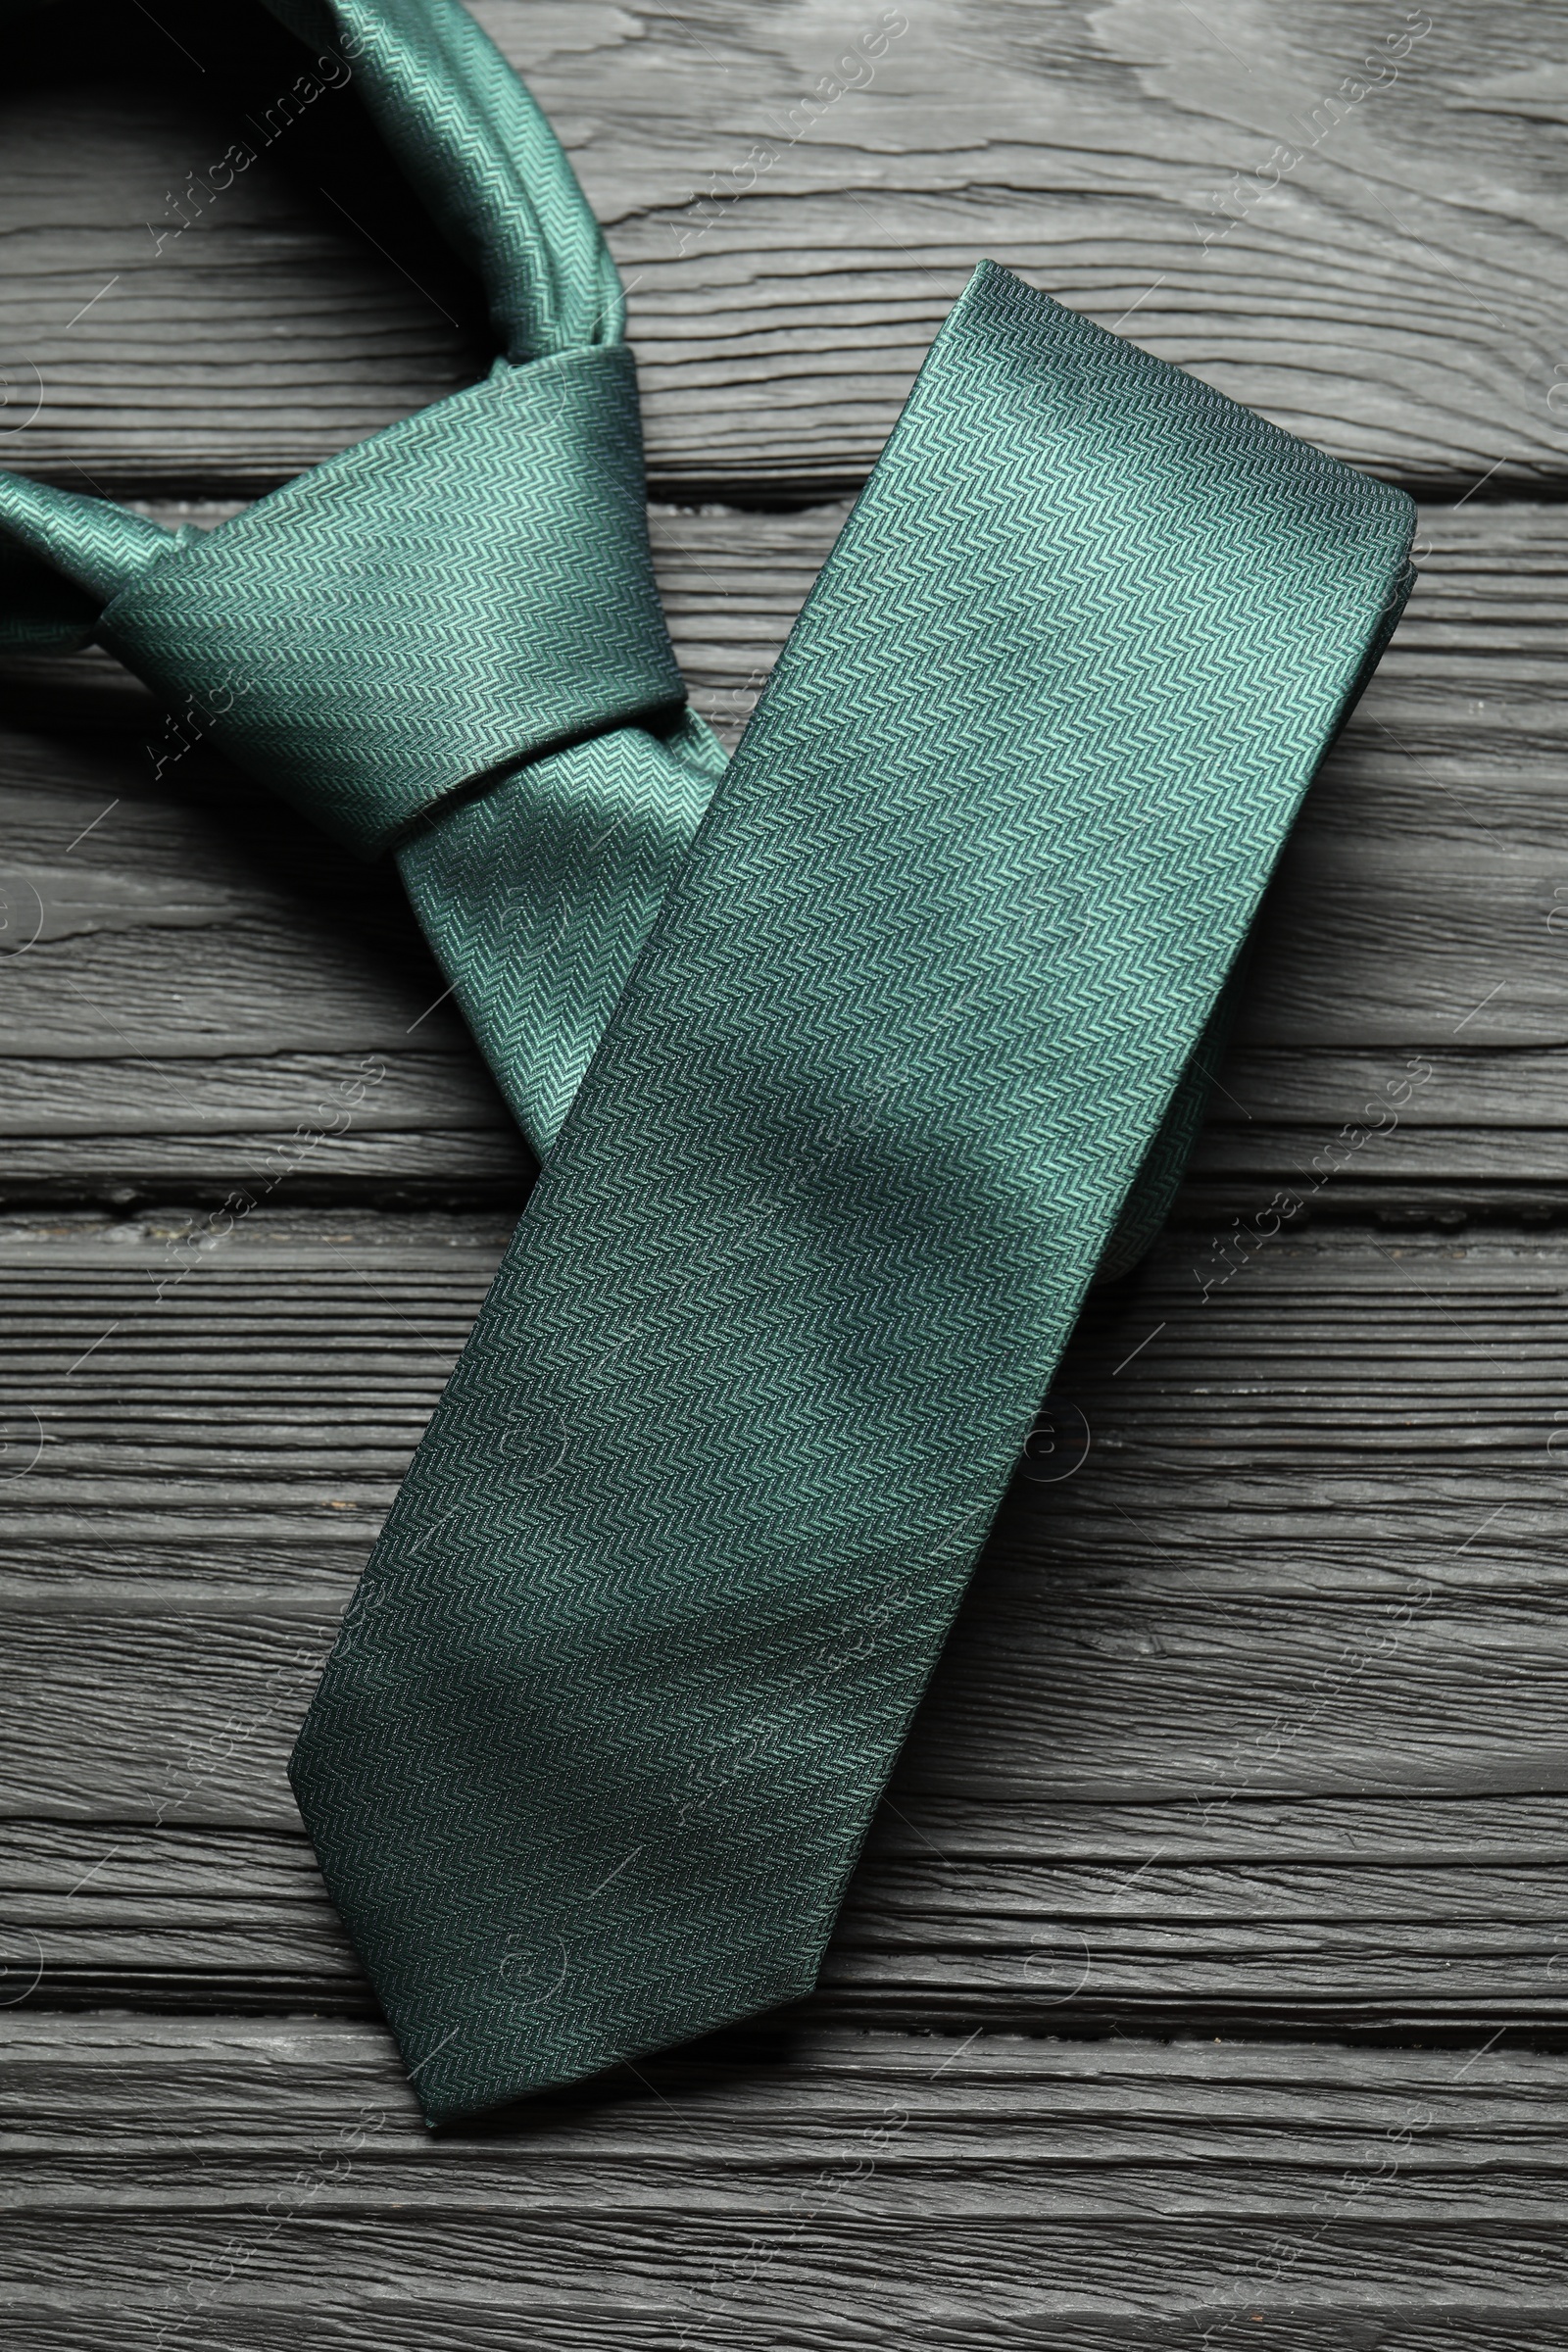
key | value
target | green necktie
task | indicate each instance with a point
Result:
(446, 642)
(912, 1046)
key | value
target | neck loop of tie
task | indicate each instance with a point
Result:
(445, 641)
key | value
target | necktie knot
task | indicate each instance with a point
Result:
(447, 600)
(445, 642)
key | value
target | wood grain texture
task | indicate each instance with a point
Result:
(1257, 1712)
(270, 2185)
(195, 978)
(796, 195)
(1182, 1995)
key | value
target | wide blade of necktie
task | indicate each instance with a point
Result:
(909, 1054)
(634, 1654)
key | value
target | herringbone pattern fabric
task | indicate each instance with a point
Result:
(446, 641)
(558, 870)
(636, 1650)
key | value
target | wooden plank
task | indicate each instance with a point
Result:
(268, 2184)
(796, 201)
(1258, 1711)
(1273, 1913)
(202, 981)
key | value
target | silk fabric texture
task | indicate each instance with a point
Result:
(884, 1058)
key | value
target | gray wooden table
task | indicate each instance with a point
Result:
(1206, 1981)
